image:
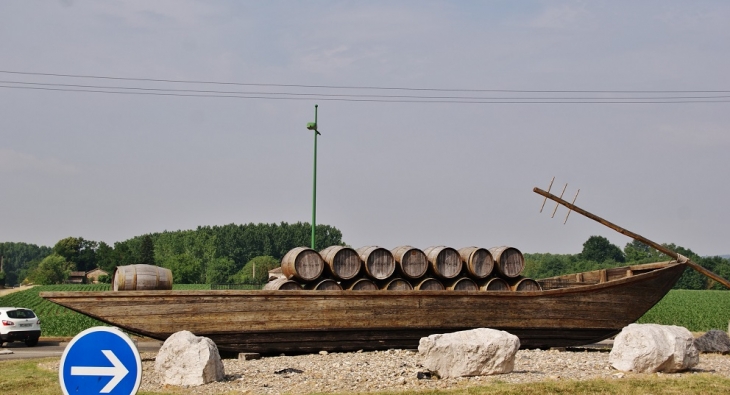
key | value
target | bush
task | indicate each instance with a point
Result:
(262, 265)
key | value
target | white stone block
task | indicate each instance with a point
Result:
(186, 359)
(475, 352)
(649, 348)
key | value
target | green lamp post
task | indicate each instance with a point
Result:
(313, 126)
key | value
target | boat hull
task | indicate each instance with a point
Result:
(273, 322)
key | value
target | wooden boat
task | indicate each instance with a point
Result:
(571, 310)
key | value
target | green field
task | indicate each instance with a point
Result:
(698, 311)
(58, 321)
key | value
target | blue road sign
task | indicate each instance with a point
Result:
(100, 360)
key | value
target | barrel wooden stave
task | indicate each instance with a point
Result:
(524, 284)
(495, 284)
(360, 284)
(411, 261)
(462, 284)
(429, 284)
(282, 284)
(141, 278)
(397, 284)
(342, 262)
(477, 261)
(327, 284)
(303, 264)
(377, 261)
(444, 262)
(508, 261)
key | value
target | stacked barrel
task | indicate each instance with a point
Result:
(404, 268)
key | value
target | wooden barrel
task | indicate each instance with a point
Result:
(411, 261)
(303, 264)
(343, 262)
(508, 261)
(282, 284)
(445, 262)
(462, 284)
(429, 284)
(495, 284)
(361, 284)
(397, 284)
(141, 278)
(477, 261)
(378, 262)
(522, 284)
(327, 284)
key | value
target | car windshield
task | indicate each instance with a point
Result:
(22, 313)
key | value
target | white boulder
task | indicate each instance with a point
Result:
(649, 348)
(186, 359)
(475, 352)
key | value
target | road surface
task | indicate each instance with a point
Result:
(53, 348)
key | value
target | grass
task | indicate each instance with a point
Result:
(698, 311)
(687, 384)
(25, 377)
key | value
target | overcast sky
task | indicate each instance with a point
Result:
(393, 170)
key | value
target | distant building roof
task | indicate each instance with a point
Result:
(275, 273)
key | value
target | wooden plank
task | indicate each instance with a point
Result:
(578, 313)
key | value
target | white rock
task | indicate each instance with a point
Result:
(649, 348)
(186, 359)
(475, 352)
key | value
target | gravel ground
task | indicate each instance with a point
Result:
(395, 370)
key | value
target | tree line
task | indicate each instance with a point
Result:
(244, 253)
(208, 254)
(599, 253)
(18, 259)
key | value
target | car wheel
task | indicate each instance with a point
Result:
(31, 342)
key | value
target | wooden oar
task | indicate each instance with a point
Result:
(678, 257)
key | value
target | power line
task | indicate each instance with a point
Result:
(486, 101)
(322, 95)
(352, 87)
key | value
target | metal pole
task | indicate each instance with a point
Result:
(314, 182)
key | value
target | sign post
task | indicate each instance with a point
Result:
(100, 360)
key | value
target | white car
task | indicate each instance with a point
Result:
(17, 323)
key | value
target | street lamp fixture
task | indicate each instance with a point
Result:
(313, 126)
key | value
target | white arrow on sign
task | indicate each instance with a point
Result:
(118, 371)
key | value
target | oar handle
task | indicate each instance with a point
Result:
(678, 257)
